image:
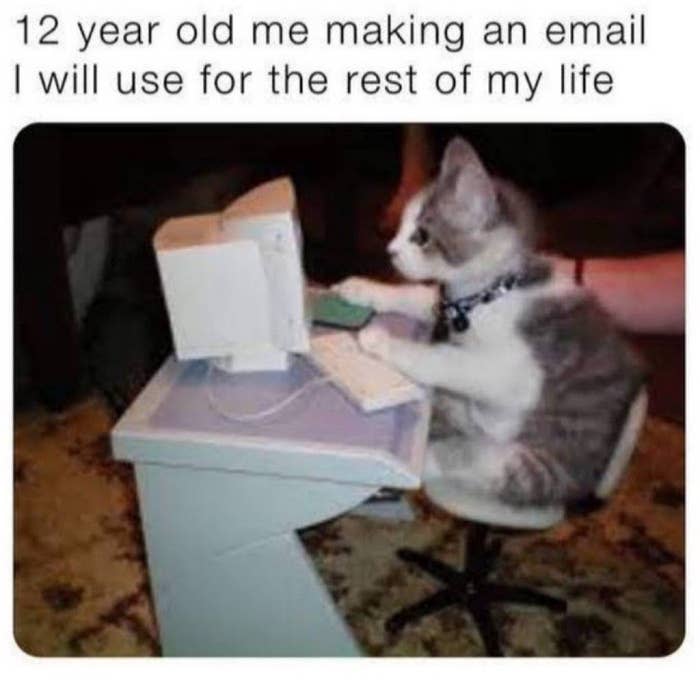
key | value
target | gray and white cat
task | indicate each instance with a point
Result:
(529, 401)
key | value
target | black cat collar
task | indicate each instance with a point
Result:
(453, 314)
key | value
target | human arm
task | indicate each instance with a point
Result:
(643, 294)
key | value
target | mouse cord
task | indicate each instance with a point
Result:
(215, 405)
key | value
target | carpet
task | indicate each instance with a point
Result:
(81, 582)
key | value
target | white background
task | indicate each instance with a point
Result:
(655, 83)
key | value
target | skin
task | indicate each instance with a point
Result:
(644, 295)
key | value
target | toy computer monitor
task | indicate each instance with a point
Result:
(233, 281)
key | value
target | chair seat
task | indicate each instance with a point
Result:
(453, 498)
(625, 446)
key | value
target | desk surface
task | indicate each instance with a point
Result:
(322, 435)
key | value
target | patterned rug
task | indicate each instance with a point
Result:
(81, 584)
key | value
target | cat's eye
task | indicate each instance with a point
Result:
(421, 237)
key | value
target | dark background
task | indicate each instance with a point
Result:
(608, 189)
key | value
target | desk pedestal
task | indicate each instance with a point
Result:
(228, 573)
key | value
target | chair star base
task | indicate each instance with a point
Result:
(470, 588)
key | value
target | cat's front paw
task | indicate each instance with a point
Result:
(376, 341)
(358, 290)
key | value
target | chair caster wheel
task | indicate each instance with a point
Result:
(393, 626)
(560, 607)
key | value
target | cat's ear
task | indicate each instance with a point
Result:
(459, 154)
(463, 172)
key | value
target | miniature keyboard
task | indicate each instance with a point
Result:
(366, 381)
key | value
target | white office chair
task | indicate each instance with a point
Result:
(470, 587)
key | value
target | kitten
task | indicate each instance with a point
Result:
(532, 384)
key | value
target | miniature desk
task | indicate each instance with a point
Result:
(221, 502)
